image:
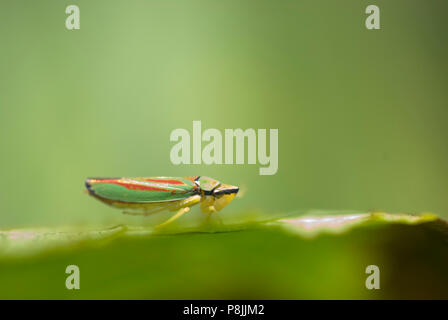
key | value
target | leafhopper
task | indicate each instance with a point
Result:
(144, 196)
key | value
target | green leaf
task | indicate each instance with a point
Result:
(315, 255)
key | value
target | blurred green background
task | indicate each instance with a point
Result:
(361, 114)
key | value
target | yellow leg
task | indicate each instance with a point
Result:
(183, 207)
(175, 217)
(206, 221)
(209, 213)
(219, 218)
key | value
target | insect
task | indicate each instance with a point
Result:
(144, 196)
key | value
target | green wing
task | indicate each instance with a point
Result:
(141, 190)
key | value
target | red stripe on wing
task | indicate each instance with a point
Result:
(165, 181)
(130, 185)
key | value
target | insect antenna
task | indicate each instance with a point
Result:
(242, 191)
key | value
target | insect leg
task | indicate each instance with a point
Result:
(175, 217)
(207, 205)
(184, 208)
(219, 218)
